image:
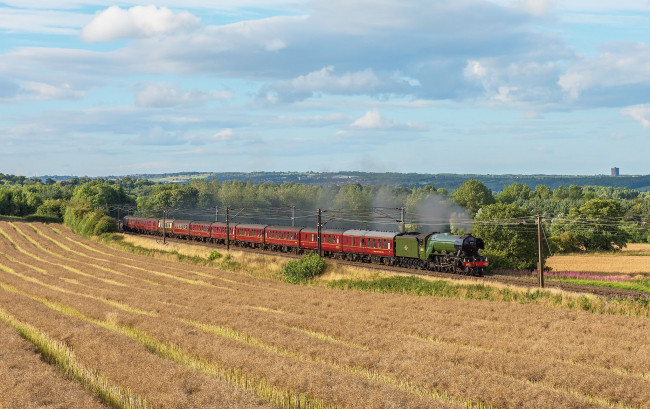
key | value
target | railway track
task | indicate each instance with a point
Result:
(495, 278)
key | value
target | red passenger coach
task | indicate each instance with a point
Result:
(219, 231)
(129, 223)
(181, 228)
(250, 235)
(200, 230)
(331, 239)
(149, 225)
(369, 243)
(282, 238)
(140, 224)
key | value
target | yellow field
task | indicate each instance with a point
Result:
(127, 331)
(633, 259)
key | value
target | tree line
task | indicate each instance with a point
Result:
(576, 218)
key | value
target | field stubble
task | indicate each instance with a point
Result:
(346, 348)
(633, 259)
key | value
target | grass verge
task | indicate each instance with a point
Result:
(214, 259)
(638, 307)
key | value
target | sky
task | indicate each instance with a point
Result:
(92, 88)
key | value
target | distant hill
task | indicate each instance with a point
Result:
(448, 181)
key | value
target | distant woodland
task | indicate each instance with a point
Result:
(598, 217)
(447, 181)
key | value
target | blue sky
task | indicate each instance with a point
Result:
(458, 86)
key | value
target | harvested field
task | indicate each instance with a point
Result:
(182, 335)
(633, 260)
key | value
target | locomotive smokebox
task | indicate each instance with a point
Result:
(471, 245)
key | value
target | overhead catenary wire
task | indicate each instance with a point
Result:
(389, 217)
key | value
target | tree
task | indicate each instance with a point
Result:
(355, 198)
(473, 195)
(542, 192)
(515, 192)
(507, 245)
(597, 225)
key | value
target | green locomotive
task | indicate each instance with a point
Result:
(440, 252)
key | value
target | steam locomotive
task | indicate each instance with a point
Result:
(433, 251)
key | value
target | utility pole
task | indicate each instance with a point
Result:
(293, 216)
(227, 229)
(403, 216)
(164, 223)
(216, 213)
(320, 250)
(540, 250)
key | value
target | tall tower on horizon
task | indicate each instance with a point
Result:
(614, 171)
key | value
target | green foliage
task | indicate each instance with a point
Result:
(596, 225)
(53, 208)
(442, 288)
(355, 198)
(566, 242)
(473, 195)
(306, 268)
(82, 218)
(514, 192)
(102, 195)
(19, 201)
(105, 224)
(214, 255)
(506, 246)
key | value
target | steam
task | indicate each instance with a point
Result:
(434, 213)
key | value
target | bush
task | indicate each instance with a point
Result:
(82, 219)
(566, 242)
(52, 208)
(214, 255)
(105, 225)
(306, 268)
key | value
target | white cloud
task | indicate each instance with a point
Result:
(620, 65)
(580, 5)
(140, 21)
(312, 121)
(161, 95)
(374, 120)
(223, 135)
(639, 113)
(475, 70)
(323, 80)
(43, 91)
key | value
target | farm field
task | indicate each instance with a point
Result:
(164, 334)
(633, 259)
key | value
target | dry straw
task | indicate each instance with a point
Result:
(63, 358)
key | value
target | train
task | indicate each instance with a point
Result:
(433, 251)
